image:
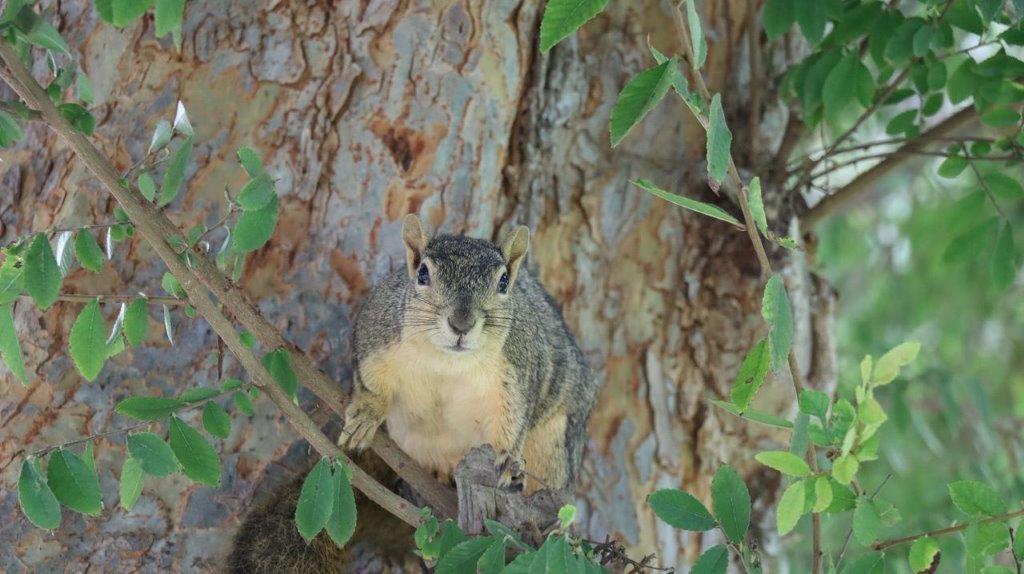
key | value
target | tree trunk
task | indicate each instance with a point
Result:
(363, 112)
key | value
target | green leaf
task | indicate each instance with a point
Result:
(37, 501)
(161, 137)
(888, 366)
(719, 147)
(640, 96)
(923, 553)
(753, 415)
(680, 510)
(122, 12)
(198, 394)
(691, 204)
(88, 251)
(866, 522)
(167, 16)
(279, 363)
(823, 494)
(42, 275)
(1003, 186)
(811, 16)
(976, 240)
(148, 408)
(791, 507)
(78, 117)
(44, 35)
(131, 482)
(243, 403)
(257, 193)
(873, 563)
(975, 497)
(563, 17)
(731, 501)
(843, 498)
(216, 420)
(785, 462)
(12, 280)
(566, 516)
(751, 375)
(845, 468)
(462, 559)
(952, 166)
(814, 403)
(756, 205)
(700, 46)
(10, 131)
(1004, 259)
(1000, 117)
(1018, 543)
(316, 500)
(779, 16)
(342, 523)
(777, 313)
(88, 341)
(174, 176)
(492, 561)
(962, 82)
(251, 162)
(254, 228)
(147, 187)
(10, 346)
(839, 89)
(902, 123)
(136, 322)
(197, 457)
(73, 483)
(715, 560)
(154, 455)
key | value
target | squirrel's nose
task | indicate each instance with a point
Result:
(461, 322)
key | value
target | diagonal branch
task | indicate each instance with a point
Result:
(155, 228)
(866, 180)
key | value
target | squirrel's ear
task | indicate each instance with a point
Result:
(514, 248)
(415, 242)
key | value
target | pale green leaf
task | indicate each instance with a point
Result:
(823, 494)
(167, 16)
(866, 522)
(888, 366)
(12, 280)
(975, 497)
(791, 507)
(785, 462)
(923, 553)
(257, 193)
(756, 205)
(251, 163)
(136, 322)
(845, 468)
(131, 483)
(700, 45)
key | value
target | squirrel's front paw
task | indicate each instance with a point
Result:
(361, 424)
(510, 472)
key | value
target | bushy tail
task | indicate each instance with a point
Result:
(268, 541)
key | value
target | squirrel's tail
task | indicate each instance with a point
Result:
(268, 541)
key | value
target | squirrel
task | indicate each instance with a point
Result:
(458, 348)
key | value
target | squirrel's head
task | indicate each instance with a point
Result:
(461, 286)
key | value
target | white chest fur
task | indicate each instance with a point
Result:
(442, 404)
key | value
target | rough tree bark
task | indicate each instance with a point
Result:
(365, 111)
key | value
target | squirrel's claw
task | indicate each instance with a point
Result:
(360, 427)
(510, 472)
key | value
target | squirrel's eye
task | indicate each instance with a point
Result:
(423, 278)
(503, 283)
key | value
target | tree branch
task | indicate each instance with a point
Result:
(83, 298)
(882, 545)
(154, 227)
(866, 180)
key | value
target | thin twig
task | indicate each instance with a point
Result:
(84, 298)
(914, 152)
(849, 533)
(882, 545)
(984, 185)
(766, 271)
